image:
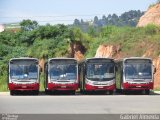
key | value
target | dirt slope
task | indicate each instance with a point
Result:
(151, 16)
(108, 51)
(77, 50)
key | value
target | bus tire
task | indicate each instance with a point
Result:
(73, 92)
(81, 91)
(84, 92)
(118, 91)
(111, 92)
(125, 92)
(12, 92)
(48, 92)
(35, 92)
(147, 92)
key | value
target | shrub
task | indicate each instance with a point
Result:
(151, 29)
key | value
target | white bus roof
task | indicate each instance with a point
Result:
(99, 58)
(137, 58)
(134, 58)
(62, 59)
(24, 58)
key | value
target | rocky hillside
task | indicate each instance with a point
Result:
(107, 51)
(151, 16)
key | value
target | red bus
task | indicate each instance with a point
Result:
(23, 75)
(61, 74)
(97, 74)
(135, 74)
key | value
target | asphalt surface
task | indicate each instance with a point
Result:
(80, 104)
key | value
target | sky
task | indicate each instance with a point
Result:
(65, 11)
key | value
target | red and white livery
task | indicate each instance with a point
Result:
(23, 75)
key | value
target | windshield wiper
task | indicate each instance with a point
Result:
(63, 80)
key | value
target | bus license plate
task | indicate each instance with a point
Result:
(24, 86)
(138, 86)
(100, 87)
(63, 86)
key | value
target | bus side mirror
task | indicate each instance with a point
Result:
(40, 68)
(116, 68)
(154, 68)
(46, 68)
(84, 69)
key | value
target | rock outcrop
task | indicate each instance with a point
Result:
(77, 50)
(106, 51)
(151, 16)
(156, 63)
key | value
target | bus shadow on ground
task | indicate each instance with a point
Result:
(78, 93)
(43, 93)
(25, 93)
(135, 93)
(59, 93)
(100, 93)
(96, 93)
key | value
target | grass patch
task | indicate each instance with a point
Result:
(157, 89)
(133, 41)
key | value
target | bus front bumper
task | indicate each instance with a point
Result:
(23, 87)
(138, 86)
(62, 87)
(89, 87)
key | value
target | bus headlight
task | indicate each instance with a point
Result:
(89, 82)
(111, 82)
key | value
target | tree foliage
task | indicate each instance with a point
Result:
(129, 18)
(28, 25)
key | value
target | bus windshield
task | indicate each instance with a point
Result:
(25, 71)
(103, 71)
(138, 71)
(63, 72)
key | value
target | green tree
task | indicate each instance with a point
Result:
(76, 22)
(48, 31)
(28, 25)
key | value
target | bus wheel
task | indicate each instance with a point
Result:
(119, 91)
(72, 92)
(81, 91)
(147, 92)
(125, 92)
(36, 92)
(47, 92)
(12, 92)
(111, 92)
